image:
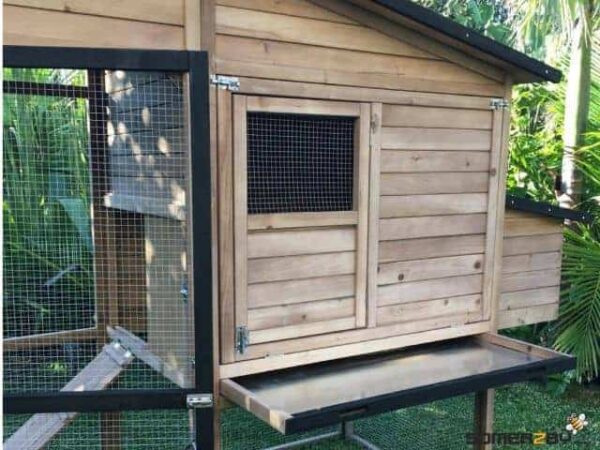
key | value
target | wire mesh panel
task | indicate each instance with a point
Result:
(299, 163)
(95, 248)
(48, 270)
(137, 430)
(440, 425)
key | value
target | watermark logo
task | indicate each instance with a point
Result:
(576, 423)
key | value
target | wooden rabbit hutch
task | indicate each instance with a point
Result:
(359, 153)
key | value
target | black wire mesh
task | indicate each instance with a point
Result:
(299, 163)
(139, 430)
(95, 186)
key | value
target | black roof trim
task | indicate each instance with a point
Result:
(472, 38)
(546, 209)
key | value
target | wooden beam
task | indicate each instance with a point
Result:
(140, 349)
(49, 339)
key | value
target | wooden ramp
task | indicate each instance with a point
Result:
(141, 350)
(97, 375)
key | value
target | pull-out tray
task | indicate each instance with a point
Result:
(314, 396)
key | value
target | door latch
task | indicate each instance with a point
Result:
(196, 401)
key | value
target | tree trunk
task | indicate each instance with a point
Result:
(577, 105)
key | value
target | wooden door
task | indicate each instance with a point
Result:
(299, 213)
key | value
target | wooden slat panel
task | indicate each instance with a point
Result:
(517, 225)
(526, 316)
(417, 227)
(435, 139)
(300, 8)
(303, 242)
(157, 11)
(333, 346)
(286, 61)
(275, 53)
(258, 86)
(433, 183)
(434, 161)
(529, 298)
(302, 106)
(301, 330)
(281, 316)
(529, 280)
(532, 244)
(363, 12)
(431, 205)
(26, 26)
(298, 291)
(426, 269)
(405, 250)
(468, 304)
(301, 220)
(527, 263)
(417, 116)
(429, 290)
(298, 267)
(278, 27)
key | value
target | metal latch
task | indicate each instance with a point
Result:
(195, 401)
(242, 339)
(499, 103)
(225, 82)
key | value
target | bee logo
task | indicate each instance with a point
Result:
(576, 423)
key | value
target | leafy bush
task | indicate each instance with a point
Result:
(47, 270)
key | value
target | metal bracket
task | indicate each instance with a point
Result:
(499, 103)
(196, 401)
(242, 338)
(225, 82)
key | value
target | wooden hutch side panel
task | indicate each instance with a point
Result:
(432, 119)
(530, 284)
(147, 24)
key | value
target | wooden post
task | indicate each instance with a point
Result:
(484, 418)
(105, 270)
(484, 400)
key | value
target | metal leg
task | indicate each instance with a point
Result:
(350, 435)
(346, 432)
(308, 440)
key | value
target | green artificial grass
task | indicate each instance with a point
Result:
(440, 425)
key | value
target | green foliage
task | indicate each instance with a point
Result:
(490, 17)
(46, 209)
(580, 307)
(535, 142)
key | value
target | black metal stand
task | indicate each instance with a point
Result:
(346, 432)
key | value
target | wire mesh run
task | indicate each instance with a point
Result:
(299, 163)
(95, 237)
(441, 425)
(139, 430)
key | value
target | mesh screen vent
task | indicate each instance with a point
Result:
(300, 163)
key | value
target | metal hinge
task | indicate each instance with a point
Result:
(499, 103)
(225, 82)
(241, 339)
(195, 401)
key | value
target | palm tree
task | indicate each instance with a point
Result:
(570, 24)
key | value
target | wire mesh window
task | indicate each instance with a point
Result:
(299, 163)
(94, 184)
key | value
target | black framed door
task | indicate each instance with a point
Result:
(109, 311)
